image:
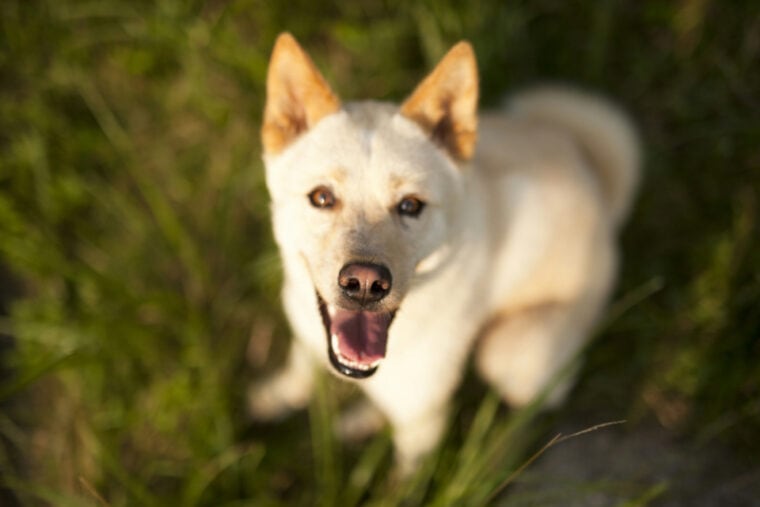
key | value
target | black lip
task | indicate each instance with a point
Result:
(347, 370)
(341, 368)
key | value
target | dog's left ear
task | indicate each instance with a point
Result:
(445, 103)
(297, 95)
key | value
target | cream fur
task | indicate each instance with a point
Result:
(515, 247)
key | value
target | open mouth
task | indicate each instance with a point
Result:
(356, 339)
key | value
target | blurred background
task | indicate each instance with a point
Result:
(139, 284)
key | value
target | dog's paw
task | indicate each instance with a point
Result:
(359, 422)
(272, 400)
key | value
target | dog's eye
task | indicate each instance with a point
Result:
(410, 207)
(322, 197)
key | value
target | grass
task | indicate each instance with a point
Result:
(134, 215)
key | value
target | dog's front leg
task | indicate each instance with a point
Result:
(416, 435)
(359, 422)
(287, 390)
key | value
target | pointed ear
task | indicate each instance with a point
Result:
(297, 95)
(445, 103)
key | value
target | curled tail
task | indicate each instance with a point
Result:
(605, 133)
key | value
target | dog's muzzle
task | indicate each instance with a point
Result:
(357, 333)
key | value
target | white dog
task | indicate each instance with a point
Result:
(406, 243)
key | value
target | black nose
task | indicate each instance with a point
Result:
(365, 282)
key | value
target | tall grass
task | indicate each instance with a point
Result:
(133, 211)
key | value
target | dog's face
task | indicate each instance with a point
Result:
(364, 195)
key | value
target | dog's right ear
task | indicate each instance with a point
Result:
(297, 96)
(445, 104)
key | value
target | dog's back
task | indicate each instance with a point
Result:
(604, 133)
(564, 168)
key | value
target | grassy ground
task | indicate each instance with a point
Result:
(133, 213)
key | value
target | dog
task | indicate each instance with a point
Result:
(413, 235)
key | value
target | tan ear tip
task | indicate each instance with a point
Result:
(285, 40)
(463, 48)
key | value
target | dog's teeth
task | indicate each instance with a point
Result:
(354, 364)
(331, 310)
(348, 362)
(357, 366)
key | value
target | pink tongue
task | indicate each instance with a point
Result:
(362, 336)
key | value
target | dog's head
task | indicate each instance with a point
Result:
(365, 194)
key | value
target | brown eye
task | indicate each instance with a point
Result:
(410, 207)
(322, 197)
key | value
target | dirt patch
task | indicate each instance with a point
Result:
(647, 466)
